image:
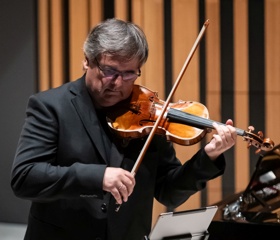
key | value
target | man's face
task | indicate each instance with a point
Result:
(109, 80)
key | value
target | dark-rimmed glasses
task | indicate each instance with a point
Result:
(111, 73)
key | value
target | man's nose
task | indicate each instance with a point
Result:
(118, 78)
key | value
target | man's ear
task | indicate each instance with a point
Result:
(85, 64)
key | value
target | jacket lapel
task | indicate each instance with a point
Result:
(85, 109)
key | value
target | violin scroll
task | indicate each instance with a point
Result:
(257, 140)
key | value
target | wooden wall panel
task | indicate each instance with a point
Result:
(137, 12)
(241, 91)
(272, 63)
(78, 30)
(138, 18)
(43, 45)
(213, 91)
(121, 9)
(51, 57)
(57, 50)
(184, 34)
(151, 21)
(153, 77)
(96, 12)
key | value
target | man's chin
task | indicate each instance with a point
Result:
(111, 101)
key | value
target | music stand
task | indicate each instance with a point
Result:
(183, 225)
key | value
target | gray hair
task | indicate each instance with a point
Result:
(118, 39)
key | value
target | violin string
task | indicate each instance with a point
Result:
(195, 121)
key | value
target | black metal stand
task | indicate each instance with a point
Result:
(202, 236)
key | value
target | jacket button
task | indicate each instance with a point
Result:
(104, 207)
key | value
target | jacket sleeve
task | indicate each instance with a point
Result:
(176, 182)
(36, 171)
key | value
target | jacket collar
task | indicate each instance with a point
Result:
(86, 111)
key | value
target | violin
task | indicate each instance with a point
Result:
(184, 122)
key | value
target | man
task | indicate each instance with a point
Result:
(76, 171)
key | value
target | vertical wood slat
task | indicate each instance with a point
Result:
(121, 9)
(96, 12)
(57, 50)
(241, 91)
(185, 25)
(143, 14)
(78, 30)
(137, 12)
(153, 77)
(43, 45)
(213, 91)
(150, 20)
(272, 60)
(137, 15)
(185, 31)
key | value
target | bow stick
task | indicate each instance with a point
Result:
(152, 133)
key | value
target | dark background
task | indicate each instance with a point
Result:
(17, 81)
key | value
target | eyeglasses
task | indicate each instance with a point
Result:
(111, 73)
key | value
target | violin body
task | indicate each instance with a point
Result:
(135, 117)
(184, 122)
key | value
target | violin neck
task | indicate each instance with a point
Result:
(177, 116)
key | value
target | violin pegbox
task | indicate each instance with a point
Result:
(257, 140)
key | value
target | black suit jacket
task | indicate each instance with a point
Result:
(60, 161)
